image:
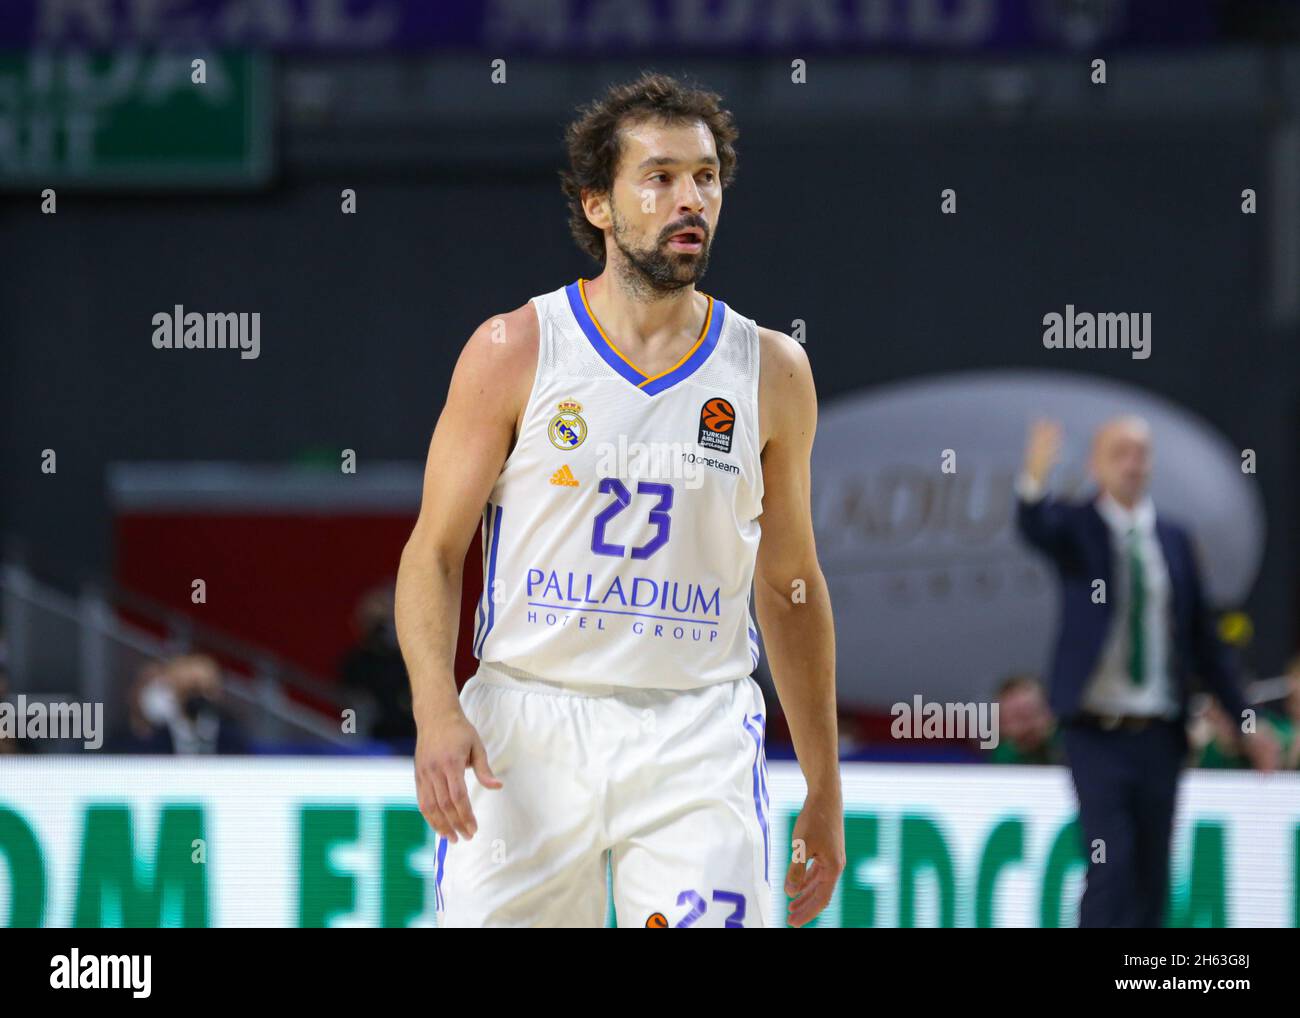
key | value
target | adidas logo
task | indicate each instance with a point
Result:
(565, 477)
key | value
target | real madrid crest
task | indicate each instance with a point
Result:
(567, 428)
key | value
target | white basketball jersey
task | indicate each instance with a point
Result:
(619, 541)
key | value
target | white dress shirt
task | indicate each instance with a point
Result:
(1111, 689)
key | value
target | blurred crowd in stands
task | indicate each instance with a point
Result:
(179, 705)
(1029, 735)
(373, 673)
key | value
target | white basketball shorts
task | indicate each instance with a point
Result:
(668, 787)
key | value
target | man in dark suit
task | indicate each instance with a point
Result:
(1134, 627)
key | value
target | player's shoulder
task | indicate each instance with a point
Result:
(783, 362)
(498, 363)
(504, 346)
(787, 398)
(781, 351)
(508, 335)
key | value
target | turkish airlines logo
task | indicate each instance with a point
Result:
(717, 422)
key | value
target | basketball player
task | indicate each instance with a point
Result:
(638, 454)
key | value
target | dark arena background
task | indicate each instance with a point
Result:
(203, 542)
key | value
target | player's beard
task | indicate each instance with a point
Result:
(657, 269)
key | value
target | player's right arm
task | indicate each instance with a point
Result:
(474, 435)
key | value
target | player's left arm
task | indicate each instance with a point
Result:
(794, 614)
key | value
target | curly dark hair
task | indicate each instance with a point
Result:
(593, 140)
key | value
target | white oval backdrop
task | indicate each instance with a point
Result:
(933, 592)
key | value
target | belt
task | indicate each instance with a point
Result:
(1119, 722)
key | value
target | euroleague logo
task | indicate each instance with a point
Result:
(717, 422)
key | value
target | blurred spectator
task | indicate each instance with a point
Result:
(1026, 729)
(1218, 737)
(9, 744)
(373, 669)
(851, 737)
(178, 706)
(1291, 759)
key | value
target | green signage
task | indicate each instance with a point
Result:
(339, 842)
(134, 119)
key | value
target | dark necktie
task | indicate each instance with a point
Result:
(1137, 597)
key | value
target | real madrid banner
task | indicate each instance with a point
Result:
(163, 841)
(576, 27)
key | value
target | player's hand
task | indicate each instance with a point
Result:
(1262, 749)
(818, 857)
(444, 749)
(1042, 450)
